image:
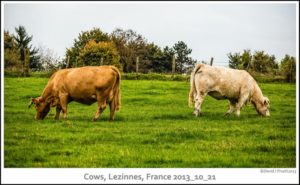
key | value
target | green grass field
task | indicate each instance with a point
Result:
(154, 128)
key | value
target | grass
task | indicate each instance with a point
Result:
(155, 128)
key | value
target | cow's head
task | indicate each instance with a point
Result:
(263, 107)
(41, 106)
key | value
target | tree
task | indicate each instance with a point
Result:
(183, 61)
(272, 65)
(288, 68)
(35, 63)
(246, 59)
(240, 61)
(130, 45)
(72, 54)
(48, 59)
(23, 40)
(234, 60)
(93, 53)
(168, 54)
(263, 62)
(120, 38)
(155, 59)
(11, 53)
(259, 61)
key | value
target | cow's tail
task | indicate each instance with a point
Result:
(117, 91)
(193, 87)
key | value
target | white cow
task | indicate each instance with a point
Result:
(238, 86)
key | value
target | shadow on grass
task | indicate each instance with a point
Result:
(123, 118)
(207, 116)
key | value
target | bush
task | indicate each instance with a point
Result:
(12, 73)
(180, 78)
(153, 76)
(37, 74)
(266, 78)
(259, 77)
(43, 74)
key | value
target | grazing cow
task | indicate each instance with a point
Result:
(237, 86)
(84, 85)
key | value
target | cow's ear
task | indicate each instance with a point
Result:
(37, 101)
(266, 101)
(34, 100)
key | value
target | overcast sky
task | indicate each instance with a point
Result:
(209, 29)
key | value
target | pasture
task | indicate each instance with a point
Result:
(154, 128)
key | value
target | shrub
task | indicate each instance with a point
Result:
(267, 78)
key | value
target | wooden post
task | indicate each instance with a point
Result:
(173, 64)
(68, 62)
(291, 69)
(26, 62)
(76, 61)
(211, 61)
(101, 61)
(137, 64)
(249, 63)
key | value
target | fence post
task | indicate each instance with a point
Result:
(68, 62)
(291, 69)
(76, 60)
(173, 64)
(211, 61)
(101, 61)
(249, 63)
(26, 62)
(137, 64)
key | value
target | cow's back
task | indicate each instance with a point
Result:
(225, 81)
(82, 83)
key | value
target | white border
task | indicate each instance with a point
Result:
(149, 2)
(223, 176)
(76, 175)
(2, 88)
(297, 89)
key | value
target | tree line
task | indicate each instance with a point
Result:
(122, 48)
(125, 49)
(95, 47)
(261, 62)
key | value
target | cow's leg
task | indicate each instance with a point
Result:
(242, 100)
(101, 106)
(198, 102)
(64, 104)
(112, 110)
(58, 110)
(232, 107)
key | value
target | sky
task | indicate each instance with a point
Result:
(209, 29)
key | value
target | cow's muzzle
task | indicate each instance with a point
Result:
(267, 114)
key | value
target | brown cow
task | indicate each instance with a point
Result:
(84, 85)
(238, 86)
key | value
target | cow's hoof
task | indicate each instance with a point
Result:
(196, 113)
